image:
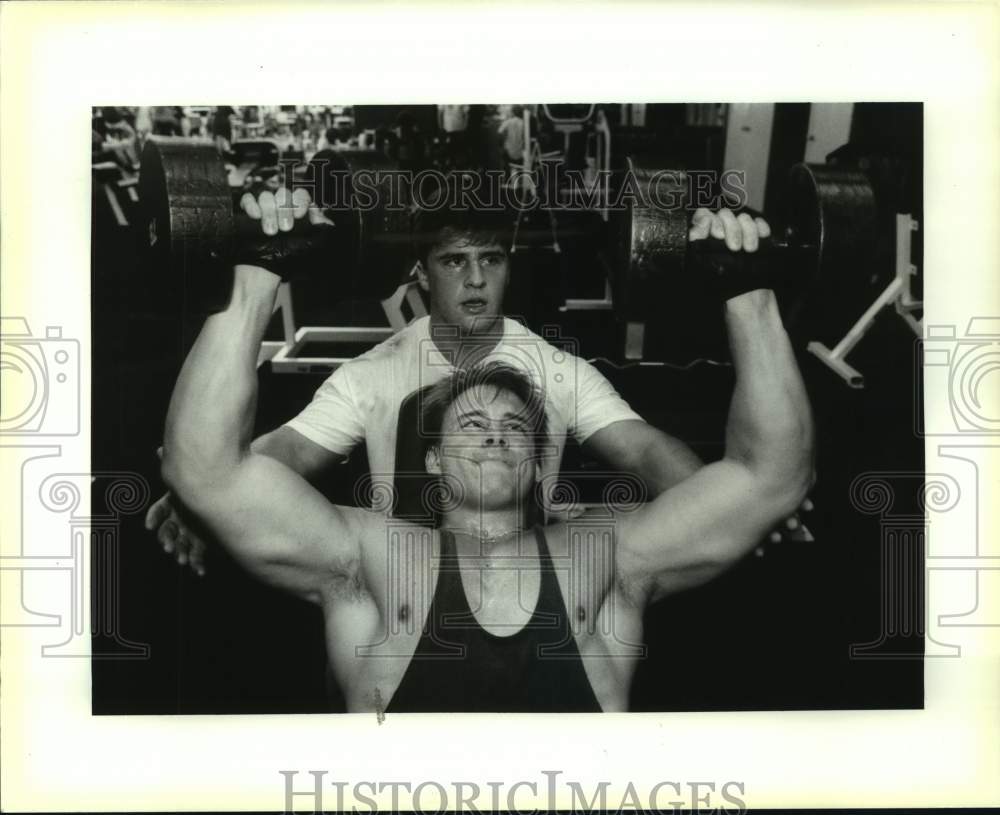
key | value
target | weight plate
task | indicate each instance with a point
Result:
(187, 220)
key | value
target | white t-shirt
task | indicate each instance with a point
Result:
(361, 400)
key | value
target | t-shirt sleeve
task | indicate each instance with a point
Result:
(333, 419)
(595, 403)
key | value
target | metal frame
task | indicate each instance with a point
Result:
(605, 303)
(898, 293)
(284, 354)
(127, 182)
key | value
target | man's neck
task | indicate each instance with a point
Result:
(479, 532)
(460, 346)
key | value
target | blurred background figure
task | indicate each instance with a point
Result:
(114, 138)
(222, 128)
(453, 124)
(511, 132)
(168, 121)
(407, 147)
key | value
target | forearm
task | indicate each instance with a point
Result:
(211, 414)
(770, 423)
(296, 452)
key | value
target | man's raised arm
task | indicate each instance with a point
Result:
(174, 530)
(268, 517)
(704, 524)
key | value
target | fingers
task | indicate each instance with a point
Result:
(739, 232)
(285, 209)
(182, 545)
(187, 547)
(196, 556)
(748, 232)
(732, 231)
(278, 210)
(717, 229)
(158, 512)
(300, 202)
(249, 205)
(190, 550)
(268, 212)
(167, 536)
(701, 224)
(791, 524)
(316, 216)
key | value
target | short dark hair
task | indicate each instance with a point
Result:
(442, 395)
(445, 212)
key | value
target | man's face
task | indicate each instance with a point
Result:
(487, 446)
(466, 283)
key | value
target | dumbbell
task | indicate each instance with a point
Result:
(826, 230)
(192, 229)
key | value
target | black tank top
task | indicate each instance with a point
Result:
(460, 667)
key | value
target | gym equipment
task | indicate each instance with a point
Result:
(378, 246)
(898, 294)
(119, 187)
(828, 230)
(287, 356)
(192, 225)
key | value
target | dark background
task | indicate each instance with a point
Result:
(773, 633)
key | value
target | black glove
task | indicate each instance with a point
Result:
(730, 274)
(305, 250)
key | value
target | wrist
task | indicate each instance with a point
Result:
(251, 296)
(254, 283)
(753, 311)
(251, 275)
(750, 301)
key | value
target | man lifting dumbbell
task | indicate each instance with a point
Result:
(543, 619)
(464, 269)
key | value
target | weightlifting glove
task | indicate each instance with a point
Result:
(298, 253)
(730, 274)
(306, 249)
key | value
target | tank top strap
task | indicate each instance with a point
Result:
(449, 595)
(544, 558)
(448, 556)
(550, 605)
